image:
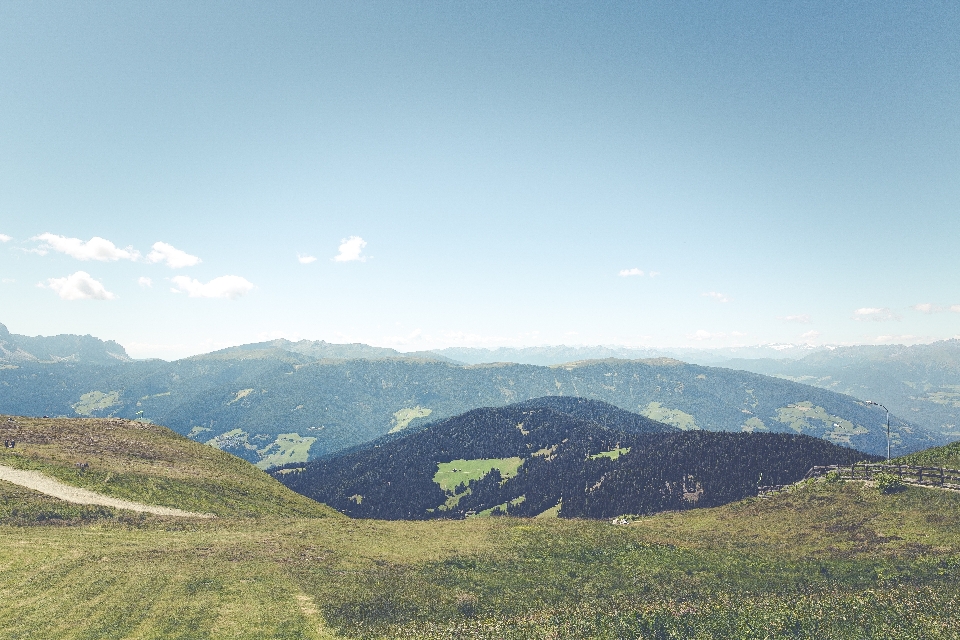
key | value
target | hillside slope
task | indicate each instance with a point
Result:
(536, 458)
(919, 382)
(272, 406)
(824, 560)
(947, 456)
(148, 464)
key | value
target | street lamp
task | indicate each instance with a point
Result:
(888, 424)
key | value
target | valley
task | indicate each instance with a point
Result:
(280, 402)
(599, 499)
(920, 383)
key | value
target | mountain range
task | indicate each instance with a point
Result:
(278, 402)
(920, 383)
(17, 349)
(559, 354)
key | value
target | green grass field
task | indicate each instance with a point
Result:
(450, 474)
(837, 561)
(612, 454)
(824, 560)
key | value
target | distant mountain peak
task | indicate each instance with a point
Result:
(60, 348)
(319, 350)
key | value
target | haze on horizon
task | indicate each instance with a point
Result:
(189, 176)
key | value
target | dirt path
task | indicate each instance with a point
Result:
(47, 485)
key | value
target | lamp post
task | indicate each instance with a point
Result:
(888, 424)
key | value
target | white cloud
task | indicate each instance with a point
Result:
(350, 249)
(700, 334)
(223, 287)
(306, 259)
(800, 318)
(79, 286)
(96, 248)
(654, 274)
(810, 336)
(5, 238)
(929, 308)
(630, 272)
(719, 297)
(144, 281)
(874, 314)
(955, 308)
(175, 258)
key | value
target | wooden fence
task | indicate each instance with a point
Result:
(910, 474)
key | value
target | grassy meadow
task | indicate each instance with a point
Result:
(824, 560)
(147, 463)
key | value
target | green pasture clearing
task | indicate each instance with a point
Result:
(243, 393)
(450, 474)
(96, 401)
(551, 513)
(612, 454)
(500, 508)
(288, 447)
(675, 417)
(403, 417)
(801, 416)
(754, 424)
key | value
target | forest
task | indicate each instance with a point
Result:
(581, 458)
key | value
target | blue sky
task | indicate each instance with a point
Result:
(790, 172)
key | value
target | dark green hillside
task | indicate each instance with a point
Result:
(601, 413)
(273, 406)
(526, 460)
(946, 456)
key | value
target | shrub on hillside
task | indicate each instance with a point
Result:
(887, 483)
(834, 477)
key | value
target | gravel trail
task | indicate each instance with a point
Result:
(47, 485)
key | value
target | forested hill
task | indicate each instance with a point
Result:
(528, 460)
(271, 405)
(601, 413)
(921, 381)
